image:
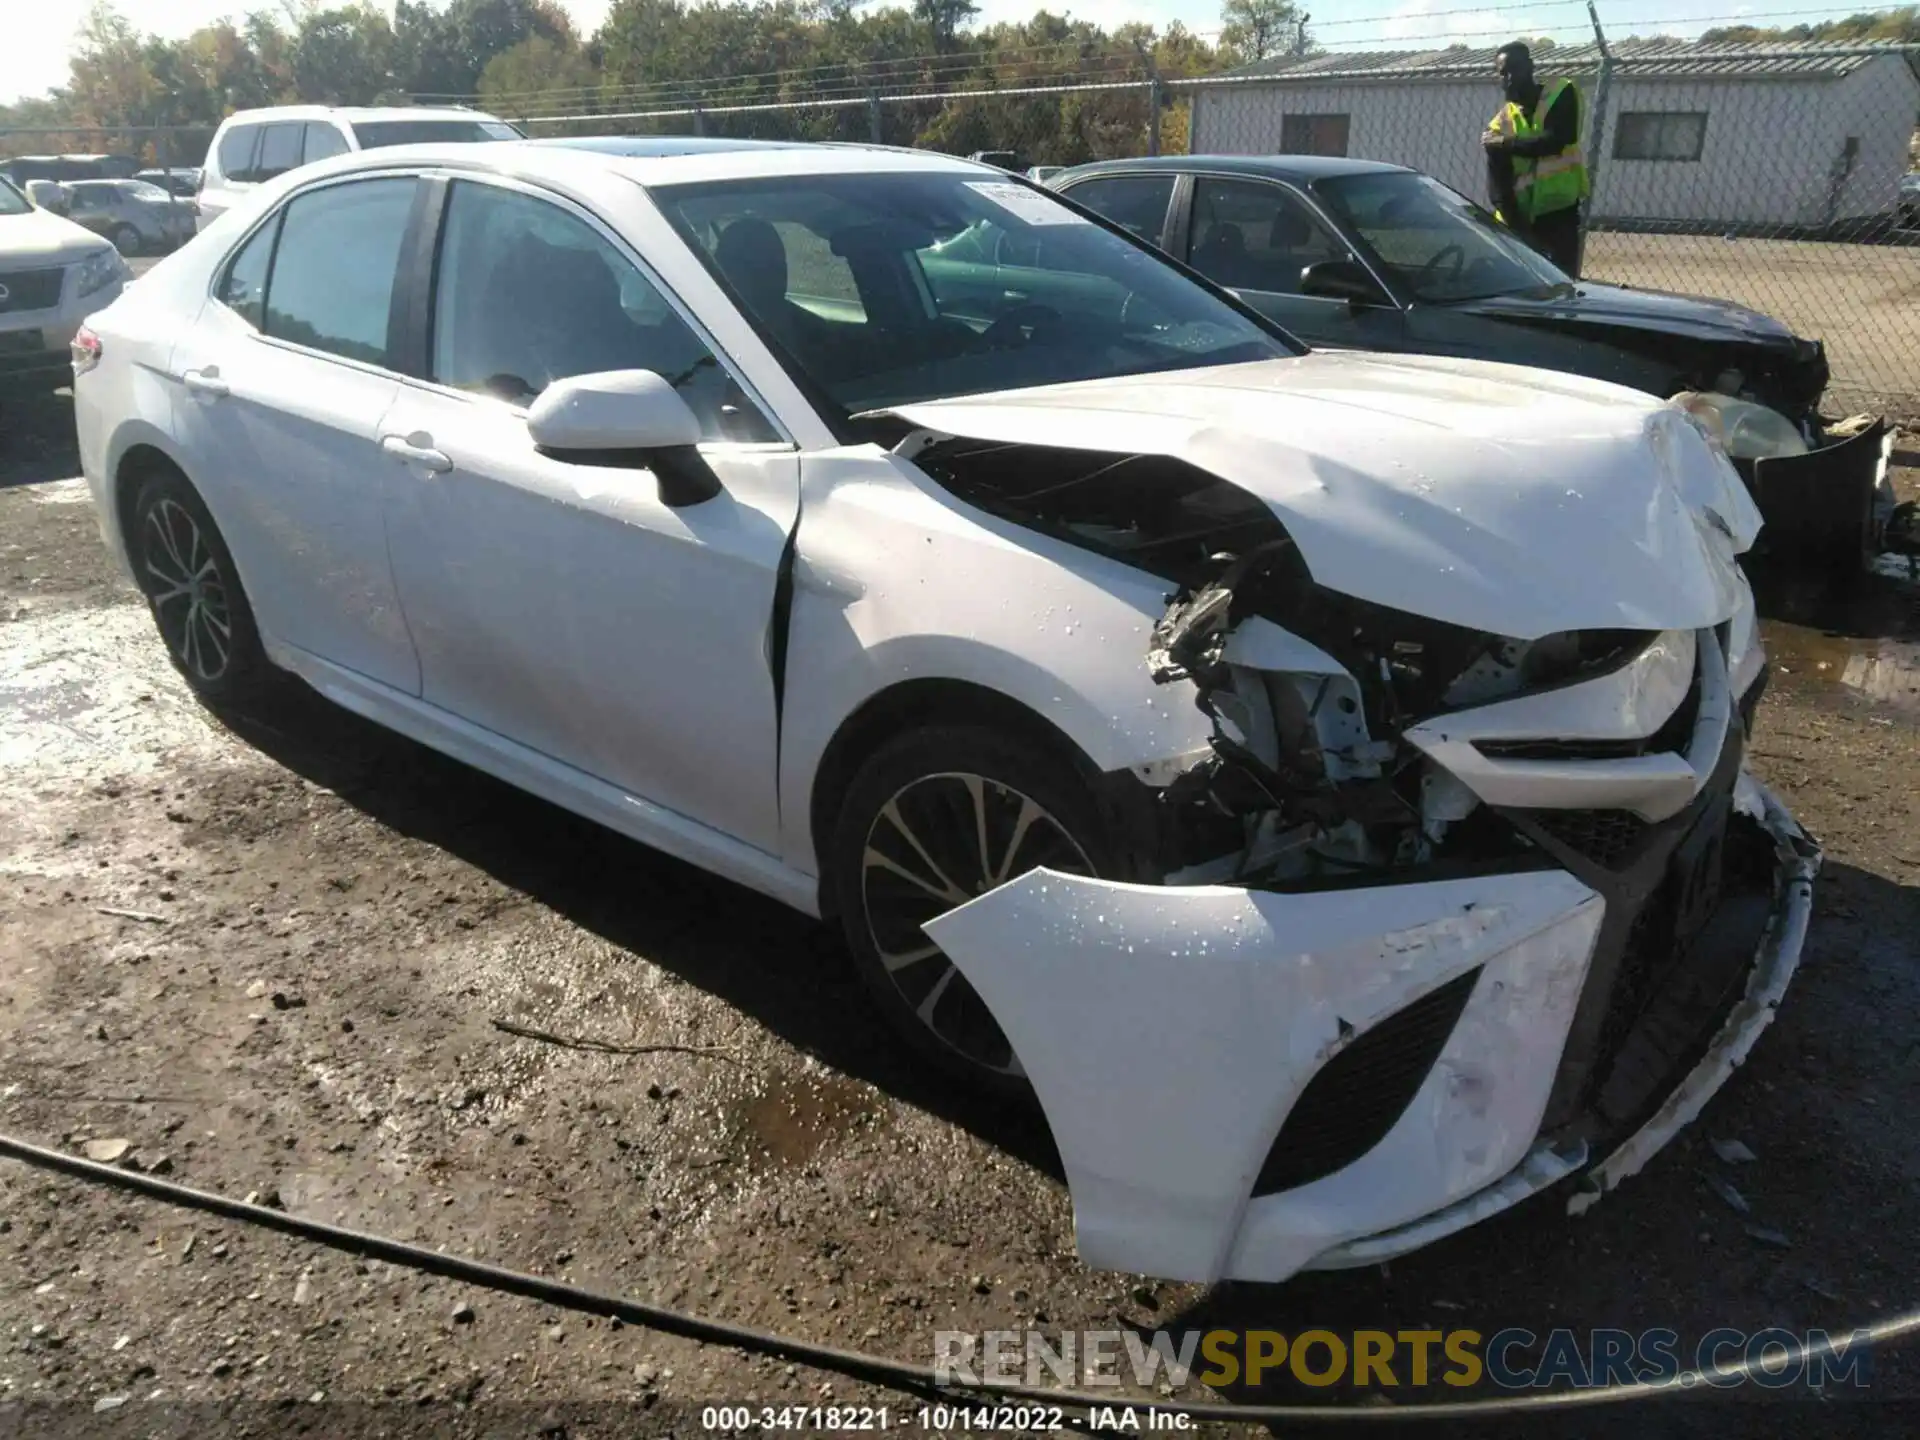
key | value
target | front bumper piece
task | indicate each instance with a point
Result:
(1246, 1083)
(1827, 509)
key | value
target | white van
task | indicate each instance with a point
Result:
(252, 146)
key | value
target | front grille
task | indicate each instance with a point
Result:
(30, 290)
(1354, 1100)
(1606, 837)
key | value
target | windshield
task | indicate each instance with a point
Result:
(372, 134)
(1438, 244)
(12, 202)
(885, 289)
(141, 189)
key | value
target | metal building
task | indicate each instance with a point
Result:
(1745, 136)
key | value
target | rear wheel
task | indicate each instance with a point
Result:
(934, 819)
(126, 240)
(199, 606)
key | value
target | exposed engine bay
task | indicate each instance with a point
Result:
(1310, 779)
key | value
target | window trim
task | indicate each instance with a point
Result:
(423, 265)
(1620, 135)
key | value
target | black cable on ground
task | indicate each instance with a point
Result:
(876, 1369)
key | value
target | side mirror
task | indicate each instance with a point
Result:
(628, 418)
(1346, 280)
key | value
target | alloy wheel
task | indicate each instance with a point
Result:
(187, 591)
(937, 843)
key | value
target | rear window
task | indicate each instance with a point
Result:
(372, 134)
(236, 151)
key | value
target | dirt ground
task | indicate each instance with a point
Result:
(318, 923)
(1863, 300)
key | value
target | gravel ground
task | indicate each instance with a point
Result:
(327, 920)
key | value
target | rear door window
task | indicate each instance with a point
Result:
(323, 142)
(1133, 202)
(236, 152)
(1252, 235)
(243, 289)
(281, 149)
(334, 269)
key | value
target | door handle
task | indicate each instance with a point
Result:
(417, 449)
(206, 382)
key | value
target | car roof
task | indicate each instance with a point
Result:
(633, 146)
(662, 160)
(355, 112)
(1301, 169)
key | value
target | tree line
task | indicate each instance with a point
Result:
(523, 60)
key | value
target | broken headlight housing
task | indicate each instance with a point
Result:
(1742, 429)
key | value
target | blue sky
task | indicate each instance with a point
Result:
(39, 33)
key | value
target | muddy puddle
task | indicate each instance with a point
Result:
(1862, 648)
(792, 1120)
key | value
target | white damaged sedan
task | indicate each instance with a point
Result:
(1316, 779)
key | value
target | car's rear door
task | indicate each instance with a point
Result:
(561, 603)
(280, 388)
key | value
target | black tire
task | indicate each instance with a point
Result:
(194, 592)
(939, 781)
(126, 240)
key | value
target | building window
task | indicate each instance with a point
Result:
(1313, 134)
(1660, 135)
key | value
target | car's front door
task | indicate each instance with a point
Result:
(1256, 237)
(563, 604)
(280, 388)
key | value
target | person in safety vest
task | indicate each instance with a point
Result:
(1536, 175)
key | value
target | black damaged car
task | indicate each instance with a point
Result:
(1350, 253)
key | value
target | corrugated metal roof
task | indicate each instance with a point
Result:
(1643, 58)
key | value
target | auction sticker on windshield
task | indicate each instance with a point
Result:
(1028, 205)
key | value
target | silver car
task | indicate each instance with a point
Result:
(137, 217)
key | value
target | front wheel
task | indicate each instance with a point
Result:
(934, 819)
(192, 587)
(126, 240)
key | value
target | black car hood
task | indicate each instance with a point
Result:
(1586, 304)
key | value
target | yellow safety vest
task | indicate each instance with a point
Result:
(1550, 182)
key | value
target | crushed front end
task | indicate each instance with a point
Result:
(1444, 919)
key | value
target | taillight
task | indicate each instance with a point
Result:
(86, 350)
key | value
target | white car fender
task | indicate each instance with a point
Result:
(1045, 624)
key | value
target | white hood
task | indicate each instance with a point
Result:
(1510, 500)
(41, 237)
